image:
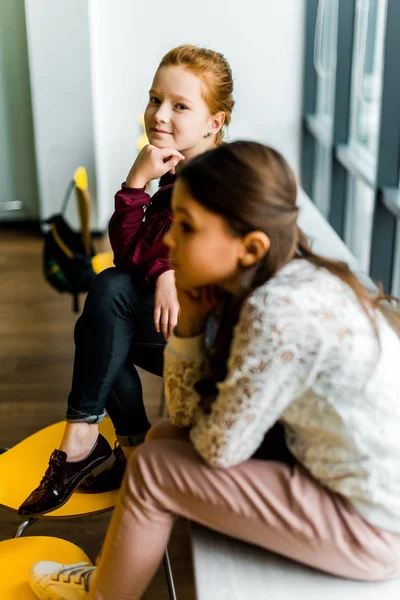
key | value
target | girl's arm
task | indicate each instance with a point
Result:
(273, 359)
(130, 248)
(184, 365)
(125, 222)
(185, 355)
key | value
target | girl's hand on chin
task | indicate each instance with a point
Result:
(152, 163)
(195, 307)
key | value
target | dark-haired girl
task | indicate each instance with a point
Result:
(302, 348)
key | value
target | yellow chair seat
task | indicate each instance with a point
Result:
(23, 466)
(102, 261)
(18, 555)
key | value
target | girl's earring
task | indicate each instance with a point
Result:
(209, 133)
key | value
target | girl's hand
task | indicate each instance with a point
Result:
(196, 306)
(166, 307)
(152, 163)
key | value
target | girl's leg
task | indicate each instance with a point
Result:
(116, 314)
(117, 321)
(267, 503)
(125, 403)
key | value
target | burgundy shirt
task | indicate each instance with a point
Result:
(137, 229)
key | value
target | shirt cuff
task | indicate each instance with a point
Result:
(192, 348)
(133, 189)
(157, 269)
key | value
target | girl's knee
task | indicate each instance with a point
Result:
(165, 430)
(110, 282)
(109, 289)
(151, 462)
(142, 469)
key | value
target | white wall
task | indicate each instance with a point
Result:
(262, 39)
(92, 62)
(17, 159)
(59, 61)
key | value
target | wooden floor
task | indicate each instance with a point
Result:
(36, 353)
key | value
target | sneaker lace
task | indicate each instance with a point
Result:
(80, 570)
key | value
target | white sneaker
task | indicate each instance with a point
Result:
(53, 581)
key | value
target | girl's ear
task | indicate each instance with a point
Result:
(254, 247)
(216, 123)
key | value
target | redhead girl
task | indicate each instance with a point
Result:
(130, 311)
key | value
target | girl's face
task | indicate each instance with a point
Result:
(177, 115)
(203, 251)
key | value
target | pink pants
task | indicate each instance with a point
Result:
(267, 503)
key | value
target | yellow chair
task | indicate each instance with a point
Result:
(18, 556)
(22, 467)
(143, 139)
(18, 477)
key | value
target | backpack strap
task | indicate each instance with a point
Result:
(59, 241)
(75, 303)
(83, 201)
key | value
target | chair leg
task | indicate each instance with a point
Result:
(28, 522)
(24, 525)
(168, 576)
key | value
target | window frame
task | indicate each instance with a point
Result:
(346, 162)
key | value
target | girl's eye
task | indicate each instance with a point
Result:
(181, 107)
(154, 100)
(185, 227)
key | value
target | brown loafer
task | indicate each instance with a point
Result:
(63, 477)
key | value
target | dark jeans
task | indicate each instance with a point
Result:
(114, 333)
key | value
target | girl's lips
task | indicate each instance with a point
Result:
(160, 131)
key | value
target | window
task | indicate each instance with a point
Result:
(325, 59)
(360, 211)
(351, 127)
(322, 178)
(396, 269)
(367, 71)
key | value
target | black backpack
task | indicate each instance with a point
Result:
(69, 259)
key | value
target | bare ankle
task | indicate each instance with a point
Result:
(79, 439)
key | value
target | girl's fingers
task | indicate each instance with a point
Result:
(209, 294)
(171, 163)
(173, 320)
(214, 295)
(157, 314)
(170, 328)
(206, 295)
(165, 323)
(195, 294)
(170, 152)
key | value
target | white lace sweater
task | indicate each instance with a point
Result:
(303, 352)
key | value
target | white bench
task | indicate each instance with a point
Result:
(226, 569)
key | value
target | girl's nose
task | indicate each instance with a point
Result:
(168, 241)
(162, 114)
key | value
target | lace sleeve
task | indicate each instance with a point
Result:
(273, 352)
(184, 365)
